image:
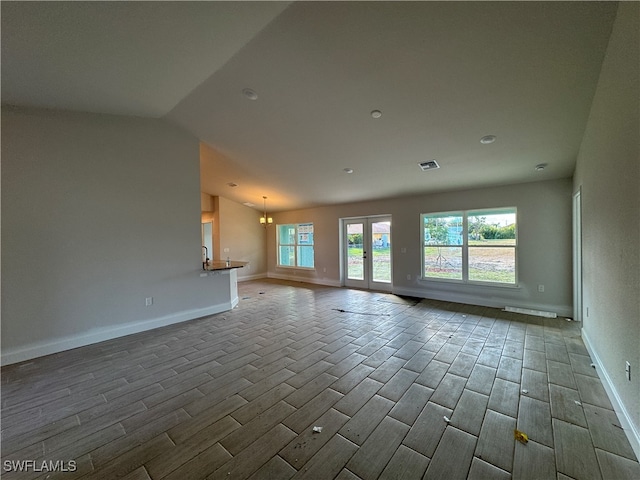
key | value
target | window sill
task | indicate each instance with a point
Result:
(290, 267)
(444, 281)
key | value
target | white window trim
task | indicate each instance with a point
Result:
(295, 247)
(465, 248)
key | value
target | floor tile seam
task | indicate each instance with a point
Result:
(31, 407)
(302, 348)
(307, 356)
(28, 434)
(107, 425)
(136, 389)
(591, 432)
(285, 461)
(109, 462)
(234, 354)
(145, 400)
(30, 387)
(26, 421)
(51, 453)
(188, 379)
(156, 364)
(293, 374)
(615, 454)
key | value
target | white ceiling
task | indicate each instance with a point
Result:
(443, 74)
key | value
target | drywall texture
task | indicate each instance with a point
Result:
(544, 243)
(99, 212)
(608, 173)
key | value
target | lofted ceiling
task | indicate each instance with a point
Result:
(443, 75)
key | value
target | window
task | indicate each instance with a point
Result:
(295, 245)
(477, 246)
(443, 246)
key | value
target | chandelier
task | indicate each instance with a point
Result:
(265, 219)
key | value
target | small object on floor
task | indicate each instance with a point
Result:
(520, 436)
(246, 298)
(446, 419)
(317, 429)
(593, 365)
(260, 293)
(577, 402)
(525, 391)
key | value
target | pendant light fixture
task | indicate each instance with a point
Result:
(265, 219)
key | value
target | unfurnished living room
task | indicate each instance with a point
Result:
(320, 240)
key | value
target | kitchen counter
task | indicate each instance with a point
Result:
(215, 265)
(224, 280)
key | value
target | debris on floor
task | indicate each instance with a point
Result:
(525, 391)
(520, 436)
(317, 429)
(446, 419)
(577, 402)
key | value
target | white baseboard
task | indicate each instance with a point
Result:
(246, 278)
(39, 349)
(315, 281)
(630, 429)
(482, 300)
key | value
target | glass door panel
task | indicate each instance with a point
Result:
(355, 251)
(381, 251)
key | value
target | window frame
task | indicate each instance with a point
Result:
(296, 245)
(465, 246)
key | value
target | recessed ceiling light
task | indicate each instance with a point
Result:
(376, 113)
(250, 94)
(231, 184)
(249, 204)
(488, 139)
(540, 167)
(348, 170)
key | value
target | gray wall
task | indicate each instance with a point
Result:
(98, 213)
(544, 244)
(608, 174)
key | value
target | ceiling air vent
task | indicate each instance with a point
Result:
(430, 165)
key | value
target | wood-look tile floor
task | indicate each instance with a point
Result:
(402, 390)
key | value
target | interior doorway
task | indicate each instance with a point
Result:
(367, 253)
(207, 241)
(577, 256)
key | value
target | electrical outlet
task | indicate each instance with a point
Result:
(148, 301)
(541, 288)
(226, 250)
(627, 369)
(408, 276)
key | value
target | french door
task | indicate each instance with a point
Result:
(367, 253)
